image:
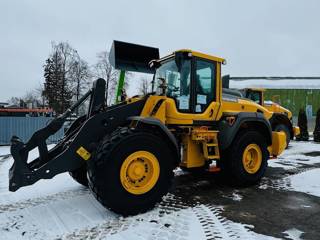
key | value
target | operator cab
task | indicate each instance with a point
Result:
(255, 95)
(189, 78)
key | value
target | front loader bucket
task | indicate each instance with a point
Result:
(132, 57)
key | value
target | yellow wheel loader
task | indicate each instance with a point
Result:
(126, 153)
(281, 119)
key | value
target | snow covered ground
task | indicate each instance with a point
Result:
(298, 154)
(62, 209)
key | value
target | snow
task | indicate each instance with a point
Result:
(4, 150)
(185, 225)
(62, 209)
(276, 84)
(62, 183)
(296, 156)
(293, 234)
(236, 196)
(179, 172)
(47, 209)
(300, 154)
(178, 225)
(307, 182)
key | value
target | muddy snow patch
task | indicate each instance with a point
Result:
(179, 172)
(235, 196)
(305, 182)
(293, 234)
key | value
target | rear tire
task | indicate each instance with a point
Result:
(80, 175)
(285, 129)
(112, 172)
(245, 161)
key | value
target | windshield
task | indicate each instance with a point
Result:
(177, 80)
(254, 96)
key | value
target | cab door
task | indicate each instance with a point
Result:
(204, 92)
(204, 82)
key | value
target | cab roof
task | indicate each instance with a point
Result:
(202, 55)
(256, 89)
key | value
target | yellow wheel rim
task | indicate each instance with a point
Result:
(252, 158)
(139, 172)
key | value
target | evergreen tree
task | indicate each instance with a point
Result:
(303, 125)
(58, 89)
(316, 132)
(50, 85)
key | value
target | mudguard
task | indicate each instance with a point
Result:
(142, 122)
(280, 118)
(227, 131)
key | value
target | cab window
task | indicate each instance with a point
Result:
(178, 82)
(254, 96)
(205, 84)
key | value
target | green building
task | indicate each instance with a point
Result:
(290, 93)
(294, 99)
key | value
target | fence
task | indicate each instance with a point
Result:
(24, 127)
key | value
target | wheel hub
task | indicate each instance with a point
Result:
(252, 158)
(139, 172)
(135, 170)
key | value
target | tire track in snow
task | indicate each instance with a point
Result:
(213, 224)
(170, 222)
(33, 202)
(170, 204)
(216, 226)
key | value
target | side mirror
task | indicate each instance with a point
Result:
(154, 64)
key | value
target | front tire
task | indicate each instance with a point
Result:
(245, 162)
(131, 171)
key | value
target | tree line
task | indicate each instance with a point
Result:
(67, 76)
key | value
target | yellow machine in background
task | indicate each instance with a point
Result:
(281, 119)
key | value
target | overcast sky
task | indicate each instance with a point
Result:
(256, 37)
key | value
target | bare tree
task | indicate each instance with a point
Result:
(103, 69)
(145, 86)
(14, 101)
(80, 77)
(31, 98)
